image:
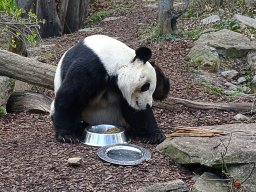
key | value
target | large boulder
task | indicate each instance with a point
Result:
(228, 43)
(237, 148)
(207, 150)
(207, 49)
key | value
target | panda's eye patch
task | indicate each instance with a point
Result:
(145, 87)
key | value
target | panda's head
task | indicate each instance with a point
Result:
(137, 81)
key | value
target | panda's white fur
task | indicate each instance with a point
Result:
(116, 58)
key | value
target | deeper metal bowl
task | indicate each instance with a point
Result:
(96, 136)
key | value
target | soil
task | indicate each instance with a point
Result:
(32, 160)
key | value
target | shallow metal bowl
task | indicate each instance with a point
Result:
(98, 135)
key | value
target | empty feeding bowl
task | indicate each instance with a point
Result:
(103, 135)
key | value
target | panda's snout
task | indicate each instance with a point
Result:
(148, 106)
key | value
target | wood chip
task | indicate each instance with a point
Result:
(195, 132)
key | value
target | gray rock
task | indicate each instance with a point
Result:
(171, 186)
(251, 60)
(207, 151)
(209, 182)
(231, 86)
(245, 89)
(91, 29)
(204, 57)
(6, 89)
(246, 20)
(112, 18)
(241, 117)
(254, 80)
(241, 172)
(22, 86)
(241, 80)
(230, 74)
(250, 2)
(211, 19)
(227, 43)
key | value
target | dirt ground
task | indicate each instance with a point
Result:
(32, 160)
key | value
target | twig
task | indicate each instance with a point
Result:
(250, 174)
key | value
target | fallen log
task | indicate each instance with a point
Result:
(29, 102)
(42, 74)
(26, 69)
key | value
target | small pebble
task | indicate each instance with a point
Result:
(75, 161)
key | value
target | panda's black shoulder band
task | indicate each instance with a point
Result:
(143, 53)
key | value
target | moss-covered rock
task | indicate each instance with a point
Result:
(6, 89)
(204, 57)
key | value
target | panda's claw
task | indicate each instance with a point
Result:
(68, 139)
(155, 138)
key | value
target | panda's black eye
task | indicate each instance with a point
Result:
(145, 87)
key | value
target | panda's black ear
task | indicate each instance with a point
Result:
(143, 53)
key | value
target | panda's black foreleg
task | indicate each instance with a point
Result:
(143, 124)
(68, 105)
(66, 120)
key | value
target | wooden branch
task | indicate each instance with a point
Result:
(27, 101)
(26, 69)
(195, 132)
(171, 101)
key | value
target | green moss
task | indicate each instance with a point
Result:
(98, 16)
(176, 154)
(2, 111)
(214, 90)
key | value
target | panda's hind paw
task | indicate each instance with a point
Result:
(155, 138)
(67, 139)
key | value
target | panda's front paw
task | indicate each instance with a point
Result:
(154, 138)
(67, 138)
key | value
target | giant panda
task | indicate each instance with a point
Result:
(101, 80)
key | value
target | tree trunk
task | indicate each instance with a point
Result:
(29, 102)
(164, 17)
(75, 16)
(62, 12)
(47, 10)
(26, 69)
(167, 16)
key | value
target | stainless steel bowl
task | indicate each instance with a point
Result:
(98, 135)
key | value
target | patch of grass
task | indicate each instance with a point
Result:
(230, 24)
(212, 89)
(98, 16)
(111, 8)
(149, 35)
(192, 33)
(2, 111)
